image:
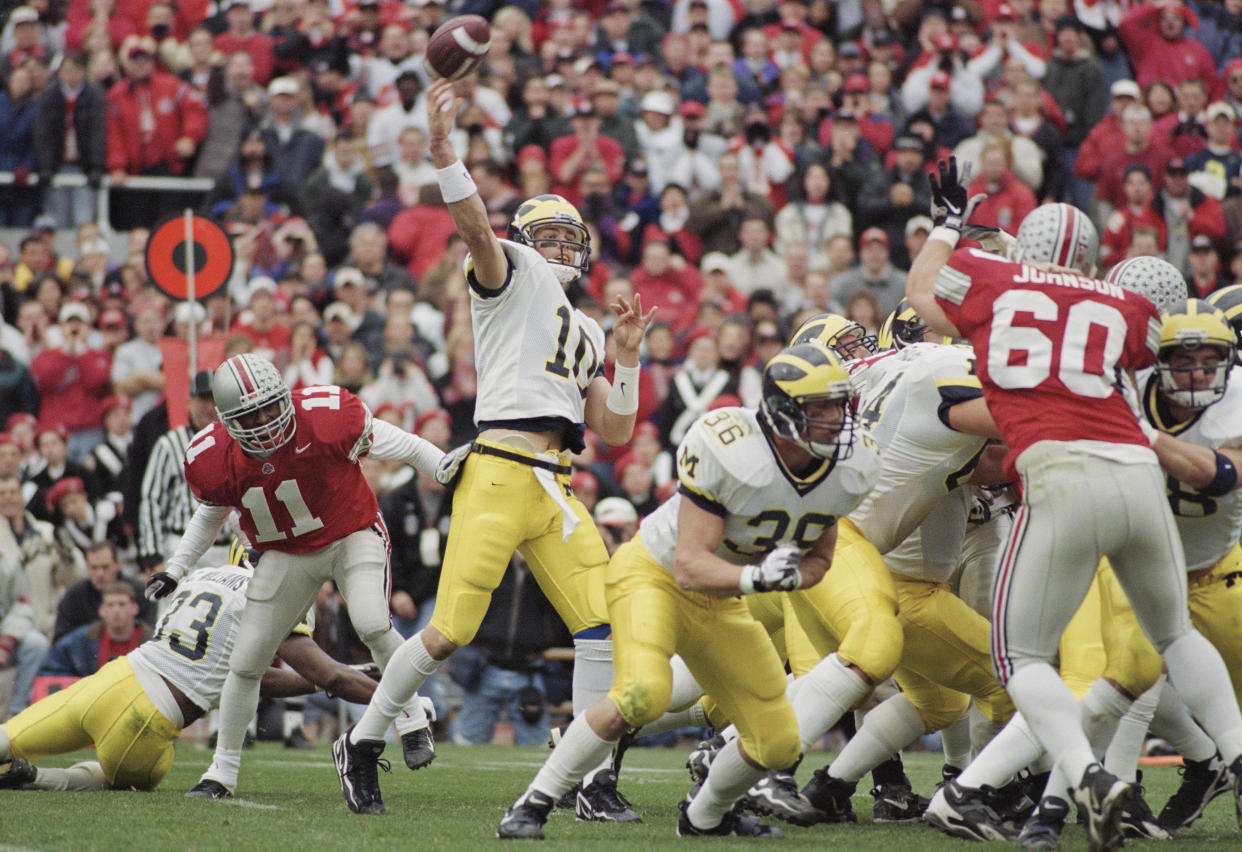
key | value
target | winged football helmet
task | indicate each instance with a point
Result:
(799, 376)
(542, 211)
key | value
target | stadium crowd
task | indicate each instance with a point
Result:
(740, 165)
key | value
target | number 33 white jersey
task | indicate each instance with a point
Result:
(534, 353)
(727, 466)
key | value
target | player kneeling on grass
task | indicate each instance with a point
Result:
(756, 511)
(133, 709)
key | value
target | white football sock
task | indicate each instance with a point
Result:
(81, 777)
(955, 741)
(885, 731)
(686, 689)
(981, 730)
(1201, 679)
(1123, 752)
(5, 744)
(1174, 724)
(579, 751)
(1060, 785)
(407, 670)
(831, 689)
(729, 777)
(1001, 759)
(1053, 714)
(1102, 709)
(692, 717)
(593, 672)
(417, 714)
(238, 702)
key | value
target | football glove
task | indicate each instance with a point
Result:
(950, 205)
(778, 572)
(161, 585)
(450, 465)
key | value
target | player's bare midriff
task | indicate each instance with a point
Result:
(541, 442)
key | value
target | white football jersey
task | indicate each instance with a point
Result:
(933, 551)
(194, 640)
(923, 459)
(1209, 526)
(535, 354)
(727, 466)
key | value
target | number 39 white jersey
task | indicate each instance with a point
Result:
(727, 466)
(1209, 526)
(534, 352)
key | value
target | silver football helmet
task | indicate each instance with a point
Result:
(1059, 234)
(1153, 278)
(243, 386)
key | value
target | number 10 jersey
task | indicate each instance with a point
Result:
(307, 494)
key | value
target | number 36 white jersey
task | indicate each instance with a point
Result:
(534, 352)
(1209, 526)
(727, 466)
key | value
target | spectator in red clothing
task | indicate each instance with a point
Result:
(241, 35)
(1134, 214)
(155, 124)
(73, 382)
(1184, 129)
(1008, 199)
(668, 283)
(418, 236)
(673, 225)
(1154, 35)
(260, 322)
(1137, 148)
(586, 146)
(1103, 136)
(1204, 263)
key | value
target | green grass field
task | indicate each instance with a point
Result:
(290, 800)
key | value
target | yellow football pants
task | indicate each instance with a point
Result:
(499, 507)
(133, 741)
(725, 648)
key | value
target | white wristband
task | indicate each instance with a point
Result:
(455, 183)
(746, 582)
(945, 234)
(623, 398)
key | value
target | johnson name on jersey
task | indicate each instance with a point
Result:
(727, 466)
(1209, 526)
(308, 493)
(1050, 344)
(923, 458)
(194, 640)
(534, 352)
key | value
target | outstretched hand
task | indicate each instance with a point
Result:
(951, 206)
(631, 324)
(443, 104)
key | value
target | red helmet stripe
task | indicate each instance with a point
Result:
(244, 377)
(1065, 242)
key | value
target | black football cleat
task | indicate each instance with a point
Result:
(830, 797)
(20, 773)
(601, 801)
(1202, 781)
(734, 824)
(418, 747)
(357, 766)
(524, 821)
(209, 789)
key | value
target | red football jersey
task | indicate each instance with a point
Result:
(307, 494)
(1049, 344)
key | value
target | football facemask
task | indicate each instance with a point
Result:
(1188, 377)
(797, 383)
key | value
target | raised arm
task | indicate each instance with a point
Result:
(611, 407)
(491, 267)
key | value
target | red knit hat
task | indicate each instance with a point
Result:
(62, 488)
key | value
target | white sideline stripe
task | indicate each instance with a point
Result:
(493, 765)
(5, 847)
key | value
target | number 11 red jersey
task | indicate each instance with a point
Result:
(1049, 345)
(307, 494)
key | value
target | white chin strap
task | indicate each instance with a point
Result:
(565, 274)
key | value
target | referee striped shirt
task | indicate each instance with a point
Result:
(167, 503)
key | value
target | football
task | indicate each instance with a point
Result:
(459, 46)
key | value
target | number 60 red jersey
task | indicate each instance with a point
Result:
(1048, 346)
(308, 493)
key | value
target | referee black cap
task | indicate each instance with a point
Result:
(201, 385)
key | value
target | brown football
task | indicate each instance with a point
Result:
(459, 46)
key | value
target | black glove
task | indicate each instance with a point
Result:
(161, 585)
(950, 205)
